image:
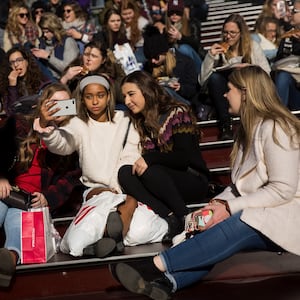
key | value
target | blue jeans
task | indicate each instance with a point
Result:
(176, 96)
(11, 219)
(187, 50)
(287, 90)
(193, 259)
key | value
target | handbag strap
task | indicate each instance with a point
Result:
(126, 134)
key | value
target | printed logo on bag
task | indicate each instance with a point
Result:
(82, 213)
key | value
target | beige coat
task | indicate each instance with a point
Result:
(269, 184)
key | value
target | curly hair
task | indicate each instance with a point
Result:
(13, 26)
(32, 79)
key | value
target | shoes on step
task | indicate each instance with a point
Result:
(226, 132)
(104, 247)
(132, 280)
(114, 229)
(175, 226)
(7, 267)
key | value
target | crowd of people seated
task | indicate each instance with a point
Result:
(136, 127)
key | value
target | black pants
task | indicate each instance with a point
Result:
(163, 189)
(217, 87)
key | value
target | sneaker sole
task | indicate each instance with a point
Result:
(104, 247)
(135, 283)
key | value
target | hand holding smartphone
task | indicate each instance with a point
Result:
(66, 107)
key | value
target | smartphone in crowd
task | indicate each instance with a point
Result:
(67, 107)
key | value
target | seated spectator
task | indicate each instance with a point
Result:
(196, 9)
(97, 134)
(20, 30)
(95, 60)
(267, 35)
(134, 24)
(245, 216)
(56, 7)
(171, 172)
(281, 12)
(175, 71)
(113, 29)
(287, 85)
(37, 9)
(115, 4)
(4, 10)
(240, 51)
(23, 78)
(56, 49)
(49, 178)
(183, 34)
(76, 24)
(157, 11)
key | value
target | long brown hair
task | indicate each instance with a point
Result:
(157, 103)
(245, 44)
(135, 33)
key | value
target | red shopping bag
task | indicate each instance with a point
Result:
(36, 236)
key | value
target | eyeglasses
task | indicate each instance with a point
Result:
(231, 33)
(24, 15)
(18, 60)
(39, 11)
(67, 11)
(295, 11)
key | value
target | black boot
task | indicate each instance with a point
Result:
(7, 267)
(226, 131)
(175, 226)
(158, 289)
(112, 240)
(114, 229)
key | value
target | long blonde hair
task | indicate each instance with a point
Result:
(261, 102)
(166, 69)
(52, 22)
(13, 26)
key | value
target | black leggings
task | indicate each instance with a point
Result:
(163, 189)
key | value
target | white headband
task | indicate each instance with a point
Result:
(93, 79)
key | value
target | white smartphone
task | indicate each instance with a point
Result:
(67, 107)
(281, 8)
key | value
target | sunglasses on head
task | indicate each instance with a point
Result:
(67, 10)
(24, 15)
(175, 12)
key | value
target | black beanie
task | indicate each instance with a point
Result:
(155, 43)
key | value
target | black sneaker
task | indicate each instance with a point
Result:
(160, 289)
(7, 267)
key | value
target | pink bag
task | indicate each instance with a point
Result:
(37, 242)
